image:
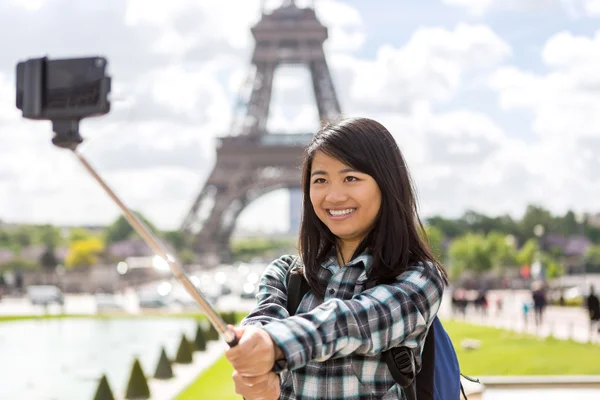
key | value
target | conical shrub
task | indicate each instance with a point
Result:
(184, 353)
(104, 392)
(232, 318)
(137, 387)
(200, 340)
(163, 368)
(229, 317)
(225, 317)
(212, 333)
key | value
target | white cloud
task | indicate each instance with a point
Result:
(430, 67)
(345, 25)
(563, 100)
(592, 7)
(566, 123)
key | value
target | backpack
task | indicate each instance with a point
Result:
(439, 377)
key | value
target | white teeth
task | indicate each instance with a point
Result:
(339, 213)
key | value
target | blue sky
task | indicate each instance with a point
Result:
(393, 22)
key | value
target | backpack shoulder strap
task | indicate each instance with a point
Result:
(401, 364)
(425, 378)
(297, 287)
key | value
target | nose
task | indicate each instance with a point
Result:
(336, 194)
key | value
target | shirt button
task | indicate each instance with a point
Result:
(331, 291)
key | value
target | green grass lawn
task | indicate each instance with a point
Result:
(511, 353)
(148, 314)
(11, 318)
(501, 353)
(215, 383)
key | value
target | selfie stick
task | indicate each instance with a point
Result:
(66, 91)
(158, 248)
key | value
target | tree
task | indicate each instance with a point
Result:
(569, 225)
(23, 237)
(528, 252)
(6, 240)
(553, 268)
(18, 263)
(592, 257)
(177, 239)
(470, 252)
(503, 252)
(121, 230)
(449, 228)
(535, 215)
(49, 236)
(48, 259)
(436, 241)
(84, 252)
(246, 249)
(186, 256)
(79, 234)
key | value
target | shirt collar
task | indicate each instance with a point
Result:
(365, 258)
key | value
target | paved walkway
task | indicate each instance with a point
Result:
(561, 322)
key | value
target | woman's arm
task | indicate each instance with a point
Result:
(272, 294)
(372, 322)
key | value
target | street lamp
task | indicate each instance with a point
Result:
(538, 231)
(580, 219)
(536, 267)
(510, 240)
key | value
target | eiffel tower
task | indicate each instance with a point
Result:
(251, 161)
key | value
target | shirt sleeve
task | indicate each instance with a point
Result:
(272, 294)
(370, 323)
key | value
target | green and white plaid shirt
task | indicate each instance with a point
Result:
(333, 346)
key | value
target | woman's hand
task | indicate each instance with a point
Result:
(266, 389)
(255, 353)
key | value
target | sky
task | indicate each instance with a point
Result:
(493, 102)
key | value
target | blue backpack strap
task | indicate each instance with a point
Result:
(446, 384)
(425, 380)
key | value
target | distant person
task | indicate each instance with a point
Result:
(525, 313)
(19, 282)
(499, 305)
(593, 306)
(459, 299)
(539, 302)
(481, 303)
(561, 298)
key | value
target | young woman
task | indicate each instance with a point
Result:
(359, 224)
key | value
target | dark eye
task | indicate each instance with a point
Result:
(319, 180)
(351, 179)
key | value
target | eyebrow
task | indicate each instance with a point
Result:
(321, 172)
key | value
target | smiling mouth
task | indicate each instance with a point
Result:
(341, 213)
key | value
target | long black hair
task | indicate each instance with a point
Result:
(397, 240)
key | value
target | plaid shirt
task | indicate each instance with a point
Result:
(333, 346)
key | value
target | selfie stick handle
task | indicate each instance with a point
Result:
(155, 244)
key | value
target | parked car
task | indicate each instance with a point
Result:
(45, 294)
(108, 302)
(151, 298)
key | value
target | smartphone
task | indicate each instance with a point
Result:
(62, 89)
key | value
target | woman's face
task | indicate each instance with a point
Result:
(346, 201)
